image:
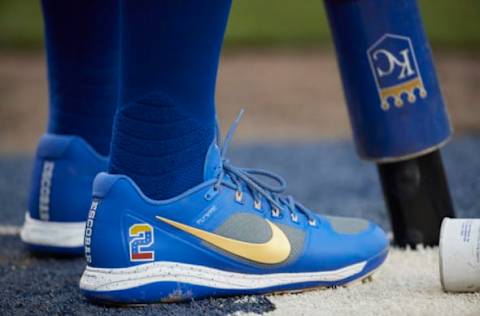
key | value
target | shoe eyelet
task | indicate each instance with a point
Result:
(294, 217)
(312, 222)
(211, 193)
(275, 212)
(257, 204)
(239, 196)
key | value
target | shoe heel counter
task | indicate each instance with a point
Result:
(64, 167)
(106, 242)
(50, 149)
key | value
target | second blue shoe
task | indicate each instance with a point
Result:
(60, 195)
(233, 234)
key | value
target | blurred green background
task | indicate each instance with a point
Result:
(296, 24)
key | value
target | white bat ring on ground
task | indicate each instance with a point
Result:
(460, 255)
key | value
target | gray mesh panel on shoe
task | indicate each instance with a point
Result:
(348, 225)
(245, 227)
(250, 228)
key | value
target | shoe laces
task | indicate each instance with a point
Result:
(241, 178)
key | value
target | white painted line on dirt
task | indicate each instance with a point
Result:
(9, 230)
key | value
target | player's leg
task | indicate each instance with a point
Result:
(81, 40)
(166, 120)
(205, 227)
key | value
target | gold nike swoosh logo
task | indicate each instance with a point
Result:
(274, 251)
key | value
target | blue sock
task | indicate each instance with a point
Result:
(166, 119)
(81, 39)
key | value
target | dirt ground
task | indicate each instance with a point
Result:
(288, 96)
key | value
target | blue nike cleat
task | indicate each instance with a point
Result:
(231, 235)
(61, 193)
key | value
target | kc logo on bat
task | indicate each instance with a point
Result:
(395, 71)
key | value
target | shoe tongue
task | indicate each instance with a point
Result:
(213, 162)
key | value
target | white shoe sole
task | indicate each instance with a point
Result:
(52, 234)
(101, 279)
